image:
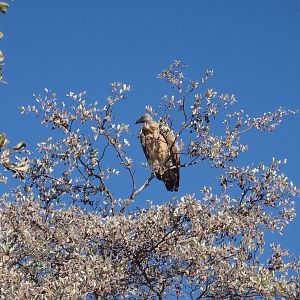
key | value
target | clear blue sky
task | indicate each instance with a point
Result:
(253, 46)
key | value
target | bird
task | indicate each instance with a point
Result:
(161, 150)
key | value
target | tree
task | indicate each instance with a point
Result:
(65, 234)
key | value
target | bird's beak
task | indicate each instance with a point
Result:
(139, 121)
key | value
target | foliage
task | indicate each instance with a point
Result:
(10, 161)
(66, 234)
(3, 10)
(3, 7)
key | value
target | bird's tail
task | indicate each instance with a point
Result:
(171, 179)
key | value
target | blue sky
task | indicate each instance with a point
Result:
(253, 46)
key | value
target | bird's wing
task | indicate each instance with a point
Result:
(172, 161)
(170, 141)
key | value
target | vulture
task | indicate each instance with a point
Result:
(161, 150)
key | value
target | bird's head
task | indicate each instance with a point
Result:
(144, 119)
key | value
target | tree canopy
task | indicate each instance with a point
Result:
(65, 234)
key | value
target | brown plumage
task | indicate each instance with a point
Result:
(161, 151)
